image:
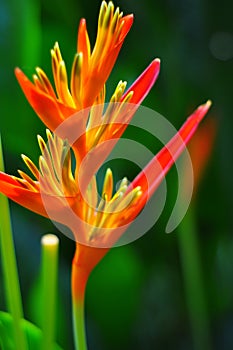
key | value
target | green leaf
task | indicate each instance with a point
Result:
(34, 334)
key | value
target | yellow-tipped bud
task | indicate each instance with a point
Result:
(108, 185)
(31, 166)
(41, 143)
(108, 15)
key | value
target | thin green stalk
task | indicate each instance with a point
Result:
(79, 280)
(193, 281)
(11, 280)
(50, 246)
(30, 33)
(79, 326)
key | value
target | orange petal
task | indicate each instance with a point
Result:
(144, 83)
(128, 21)
(55, 208)
(50, 111)
(16, 192)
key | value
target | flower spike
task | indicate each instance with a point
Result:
(75, 113)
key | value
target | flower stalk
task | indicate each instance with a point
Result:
(78, 285)
(85, 259)
(194, 281)
(50, 246)
(12, 287)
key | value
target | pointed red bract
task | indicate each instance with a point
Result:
(152, 175)
(144, 82)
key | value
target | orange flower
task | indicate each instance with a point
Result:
(71, 197)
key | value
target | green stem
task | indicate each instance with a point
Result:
(79, 279)
(9, 264)
(30, 34)
(193, 281)
(79, 326)
(50, 245)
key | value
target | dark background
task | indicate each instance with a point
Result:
(136, 297)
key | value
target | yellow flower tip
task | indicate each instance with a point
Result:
(56, 53)
(108, 185)
(35, 78)
(62, 71)
(48, 134)
(119, 91)
(135, 196)
(115, 19)
(26, 160)
(56, 46)
(201, 111)
(38, 137)
(208, 104)
(20, 172)
(109, 172)
(38, 70)
(124, 182)
(102, 12)
(31, 166)
(137, 189)
(52, 52)
(128, 97)
(77, 65)
(108, 15)
(41, 143)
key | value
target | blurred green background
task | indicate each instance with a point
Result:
(136, 297)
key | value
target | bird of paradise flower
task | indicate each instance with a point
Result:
(54, 181)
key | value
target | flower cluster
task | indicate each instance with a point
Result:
(77, 107)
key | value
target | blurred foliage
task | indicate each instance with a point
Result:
(135, 297)
(33, 334)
